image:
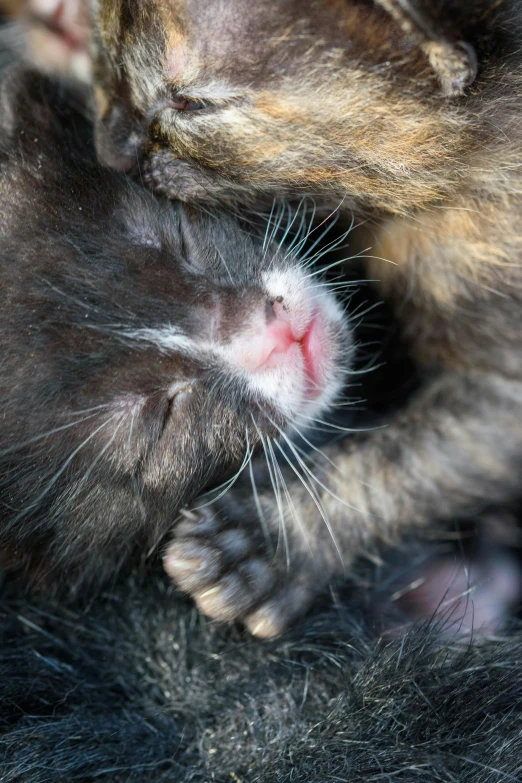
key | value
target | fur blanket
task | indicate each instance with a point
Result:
(136, 686)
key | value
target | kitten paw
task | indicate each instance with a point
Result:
(226, 569)
(218, 565)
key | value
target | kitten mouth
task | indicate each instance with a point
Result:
(314, 357)
(288, 345)
(305, 348)
(54, 19)
(295, 357)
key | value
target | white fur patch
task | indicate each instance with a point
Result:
(167, 339)
(285, 383)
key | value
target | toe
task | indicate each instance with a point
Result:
(272, 617)
(237, 591)
(192, 564)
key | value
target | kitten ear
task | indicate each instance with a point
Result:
(454, 61)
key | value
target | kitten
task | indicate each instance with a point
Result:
(148, 348)
(408, 113)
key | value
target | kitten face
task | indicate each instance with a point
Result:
(233, 99)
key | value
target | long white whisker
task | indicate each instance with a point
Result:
(272, 481)
(291, 221)
(335, 244)
(318, 504)
(98, 458)
(300, 235)
(357, 314)
(277, 223)
(220, 254)
(333, 218)
(314, 477)
(278, 477)
(309, 488)
(275, 486)
(88, 410)
(308, 255)
(338, 428)
(306, 455)
(47, 434)
(131, 430)
(321, 270)
(299, 241)
(259, 508)
(62, 470)
(228, 484)
(269, 224)
(315, 448)
(290, 501)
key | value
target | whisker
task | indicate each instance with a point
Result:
(275, 487)
(314, 477)
(268, 224)
(277, 224)
(310, 489)
(220, 254)
(227, 484)
(88, 472)
(302, 232)
(47, 434)
(290, 502)
(307, 256)
(279, 477)
(334, 244)
(88, 410)
(333, 217)
(259, 508)
(338, 428)
(62, 470)
(322, 269)
(315, 448)
(291, 221)
(318, 504)
(131, 429)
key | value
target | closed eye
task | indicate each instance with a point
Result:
(188, 104)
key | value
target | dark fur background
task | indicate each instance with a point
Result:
(136, 686)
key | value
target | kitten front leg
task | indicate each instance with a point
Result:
(456, 446)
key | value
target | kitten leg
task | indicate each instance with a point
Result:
(456, 446)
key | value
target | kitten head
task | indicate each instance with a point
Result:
(148, 347)
(232, 99)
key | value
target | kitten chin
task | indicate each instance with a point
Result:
(54, 34)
